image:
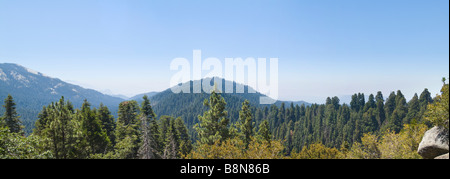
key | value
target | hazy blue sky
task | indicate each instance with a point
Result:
(325, 47)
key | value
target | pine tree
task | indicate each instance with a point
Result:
(354, 104)
(389, 106)
(370, 103)
(42, 123)
(128, 112)
(273, 116)
(94, 137)
(213, 125)
(424, 100)
(400, 111)
(147, 111)
(185, 144)
(361, 101)
(108, 123)
(413, 110)
(438, 112)
(61, 130)
(264, 131)
(171, 143)
(245, 122)
(127, 130)
(146, 108)
(146, 149)
(10, 118)
(380, 112)
(335, 101)
(281, 115)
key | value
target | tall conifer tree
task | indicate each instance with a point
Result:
(10, 118)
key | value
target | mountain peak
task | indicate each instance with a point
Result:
(31, 90)
(17, 72)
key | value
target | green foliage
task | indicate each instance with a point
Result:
(264, 132)
(438, 112)
(150, 146)
(367, 149)
(233, 148)
(184, 144)
(175, 138)
(10, 118)
(60, 130)
(404, 144)
(372, 129)
(245, 123)
(127, 130)
(94, 137)
(317, 151)
(391, 145)
(108, 123)
(16, 146)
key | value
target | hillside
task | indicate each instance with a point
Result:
(297, 124)
(190, 105)
(32, 90)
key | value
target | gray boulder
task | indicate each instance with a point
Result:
(434, 143)
(445, 156)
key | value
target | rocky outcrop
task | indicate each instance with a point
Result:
(434, 143)
(445, 156)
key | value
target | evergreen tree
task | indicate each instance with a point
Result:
(335, 101)
(213, 125)
(108, 123)
(264, 131)
(128, 112)
(61, 130)
(42, 123)
(354, 104)
(185, 144)
(171, 149)
(438, 112)
(147, 111)
(146, 149)
(328, 101)
(94, 137)
(146, 108)
(413, 110)
(389, 106)
(127, 130)
(370, 123)
(370, 103)
(401, 110)
(361, 101)
(245, 123)
(10, 118)
(281, 115)
(273, 116)
(424, 100)
(380, 111)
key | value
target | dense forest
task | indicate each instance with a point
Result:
(375, 128)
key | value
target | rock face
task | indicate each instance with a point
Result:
(434, 143)
(445, 156)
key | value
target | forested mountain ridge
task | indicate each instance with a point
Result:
(32, 90)
(362, 130)
(189, 105)
(295, 126)
(219, 125)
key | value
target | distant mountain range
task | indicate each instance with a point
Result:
(32, 90)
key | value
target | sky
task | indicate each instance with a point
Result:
(324, 47)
